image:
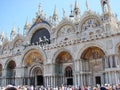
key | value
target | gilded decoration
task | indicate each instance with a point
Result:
(92, 53)
(33, 57)
(64, 57)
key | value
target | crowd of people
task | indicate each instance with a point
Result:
(98, 87)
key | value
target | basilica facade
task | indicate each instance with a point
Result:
(77, 50)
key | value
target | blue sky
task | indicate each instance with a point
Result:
(15, 12)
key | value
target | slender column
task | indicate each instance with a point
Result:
(75, 79)
(106, 61)
(115, 74)
(78, 80)
(109, 77)
(3, 75)
(47, 80)
(54, 80)
(111, 63)
(116, 60)
(89, 79)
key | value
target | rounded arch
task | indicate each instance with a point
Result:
(117, 48)
(11, 65)
(16, 39)
(86, 17)
(34, 68)
(68, 71)
(91, 45)
(8, 61)
(10, 72)
(38, 27)
(92, 53)
(32, 49)
(57, 53)
(64, 23)
(41, 35)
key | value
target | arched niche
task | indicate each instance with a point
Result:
(36, 76)
(40, 36)
(10, 72)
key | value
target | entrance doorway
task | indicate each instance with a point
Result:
(70, 81)
(98, 80)
(39, 80)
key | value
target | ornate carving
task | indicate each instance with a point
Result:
(65, 30)
(18, 43)
(90, 24)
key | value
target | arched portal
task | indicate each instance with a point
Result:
(36, 76)
(63, 60)
(69, 75)
(33, 62)
(93, 64)
(10, 73)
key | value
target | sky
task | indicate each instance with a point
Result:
(13, 13)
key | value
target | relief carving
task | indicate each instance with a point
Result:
(66, 30)
(90, 24)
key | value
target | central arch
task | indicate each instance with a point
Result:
(93, 64)
(33, 67)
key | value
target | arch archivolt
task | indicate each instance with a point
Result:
(18, 39)
(55, 55)
(33, 51)
(33, 68)
(117, 48)
(8, 61)
(91, 18)
(37, 27)
(101, 46)
(64, 28)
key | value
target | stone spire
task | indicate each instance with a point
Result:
(87, 7)
(13, 32)
(63, 13)
(2, 35)
(71, 13)
(106, 6)
(18, 29)
(76, 8)
(27, 25)
(55, 15)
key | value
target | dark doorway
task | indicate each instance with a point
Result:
(69, 81)
(98, 80)
(40, 80)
